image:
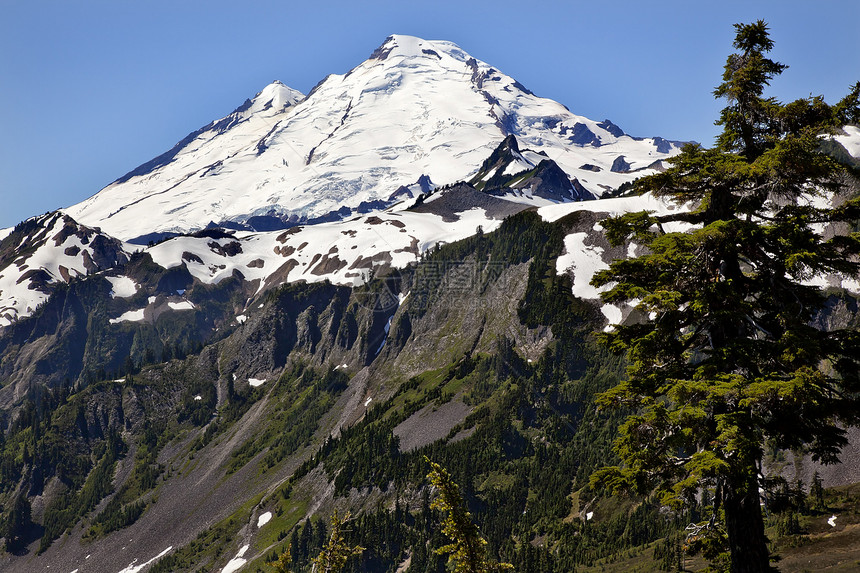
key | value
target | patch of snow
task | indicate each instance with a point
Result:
(264, 519)
(256, 382)
(241, 318)
(526, 198)
(613, 314)
(237, 562)
(833, 280)
(832, 521)
(489, 174)
(582, 261)
(850, 141)
(198, 397)
(515, 167)
(132, 568)
(615, 206)
(6, 232)
(366, 402)
(589, 515)
(129, 316)
(852, 285)
(122, 287)
(184, 305)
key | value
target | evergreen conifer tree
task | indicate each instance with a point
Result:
(336, 550)
(17, 523)
(726, 358)
(467, 551)
(284, 561)
(816, 493)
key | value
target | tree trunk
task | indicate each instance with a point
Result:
(745, 528)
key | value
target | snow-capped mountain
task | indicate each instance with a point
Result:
(150, 390)
(416, 110)
(46, 251)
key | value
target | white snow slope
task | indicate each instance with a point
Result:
(51, 249)
(415, 107)
(343, 252)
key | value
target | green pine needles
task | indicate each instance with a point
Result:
(727, 358)
(283, 563)
(336, 552)
(467, 551)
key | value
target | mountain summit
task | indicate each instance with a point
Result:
(414, 109)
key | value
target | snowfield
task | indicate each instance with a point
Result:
(134, 568)
(237, 562)
(123, 287)
(264, 519)
(342, 252)
(850, 140)
(416, 108)
(129, 316)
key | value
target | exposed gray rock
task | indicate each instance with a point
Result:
(620, 165)
(461, 197)
(614, 129)
(430, 423)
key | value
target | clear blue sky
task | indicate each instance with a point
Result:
(91, 89)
